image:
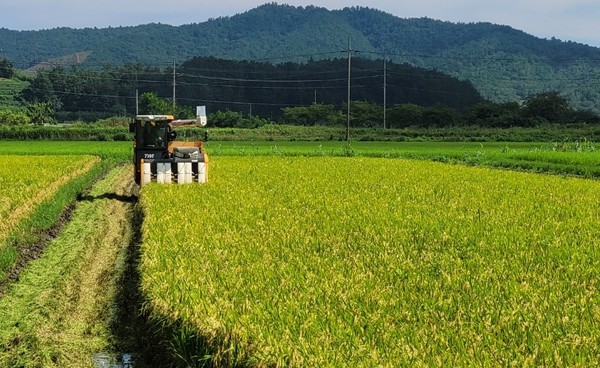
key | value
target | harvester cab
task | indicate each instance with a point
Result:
(158, 157)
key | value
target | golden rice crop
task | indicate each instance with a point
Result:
(25, 181)
(368, 262)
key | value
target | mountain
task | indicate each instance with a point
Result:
(503, 63)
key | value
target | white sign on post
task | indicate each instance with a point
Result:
(201, 114)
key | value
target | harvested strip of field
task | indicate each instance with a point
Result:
(361, 262)
(63, 309)
(26, 181)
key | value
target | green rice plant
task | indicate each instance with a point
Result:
(36, 191)
(536, 157)
(364, 262)
(32, 179)
(114, 152)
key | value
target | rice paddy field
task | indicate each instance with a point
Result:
(36, 178)
(578, 158)
(306, 254)
(362, 262)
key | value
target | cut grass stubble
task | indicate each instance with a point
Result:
(60, 312)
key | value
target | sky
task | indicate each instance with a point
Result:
(567, 20)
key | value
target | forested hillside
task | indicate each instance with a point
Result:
(504, 64)
(258, 88)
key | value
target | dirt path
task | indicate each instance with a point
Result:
(75, 306)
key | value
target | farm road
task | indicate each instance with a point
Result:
(77, 304)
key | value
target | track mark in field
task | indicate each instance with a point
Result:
(26, 254)
(30, 252)
(138, 342)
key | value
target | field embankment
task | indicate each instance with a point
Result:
(279, 133)
(291, 261)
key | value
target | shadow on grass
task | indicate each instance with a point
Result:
(154, 341)
(114, 196)
(130, 327)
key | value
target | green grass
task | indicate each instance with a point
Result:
(115, 152)
(363, 262)
(374, 149)
(573, 158)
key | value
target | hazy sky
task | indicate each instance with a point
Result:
(575, 20)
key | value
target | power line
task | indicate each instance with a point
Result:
(293, 83)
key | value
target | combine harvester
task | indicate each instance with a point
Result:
(158, 157)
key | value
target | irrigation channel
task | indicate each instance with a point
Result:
(78, 304)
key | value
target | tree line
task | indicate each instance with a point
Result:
(538, 110)
(251, 94)
(255, 88)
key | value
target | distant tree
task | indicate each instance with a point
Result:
(491, 114)
(315, 114)
(510, 115)
(324, 114)
(405, 115)
(439, 116)
(10, 117)
(252, 122)
(43, 90)
(548, 105)
(226, 119)
(366, 114)
(150, 103)
(298, 115)
(585, 117)
(41, 113)
(6, 68)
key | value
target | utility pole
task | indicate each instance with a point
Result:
(173, 85)
(384, 90)
(315, 106)
(349, 76)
